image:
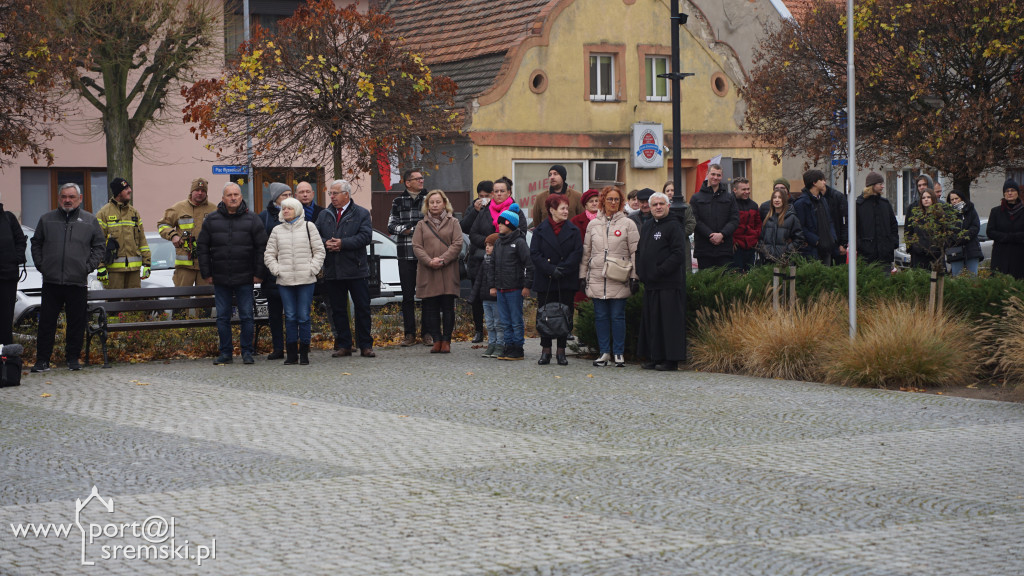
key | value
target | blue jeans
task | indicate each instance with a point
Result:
(297, 300)
(956, 267)
(493, 322)
(610, 317)
(222, 297)
(510, 308)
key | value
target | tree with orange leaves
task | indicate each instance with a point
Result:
(28, 71)
(330, 85)
(939, 82)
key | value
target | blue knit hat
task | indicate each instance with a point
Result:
(510, 217)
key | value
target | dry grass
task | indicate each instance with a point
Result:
(751, 338)
(901, 345)
(1003, 336)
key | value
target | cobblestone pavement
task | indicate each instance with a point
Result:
(413, 463)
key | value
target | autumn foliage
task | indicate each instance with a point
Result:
(939, 83)
(28, 70)
(332, 85)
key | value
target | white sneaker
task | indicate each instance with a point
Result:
(620, 362)
(603, 360)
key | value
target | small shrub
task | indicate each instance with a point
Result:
(1004, 338)
(789, 345)
(719, 337)
(751, 338)
(899, 344)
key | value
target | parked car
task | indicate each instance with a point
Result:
(902, 257)
(390, 282)
(30, 288)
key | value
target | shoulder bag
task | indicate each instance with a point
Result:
(320, 274)
(617, 269)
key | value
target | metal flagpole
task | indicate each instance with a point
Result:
(851, 170)
(248, 134)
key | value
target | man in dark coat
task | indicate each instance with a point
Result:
(12, 256)
(346, 231)
(230, 250)
(659, 264)
(878, 232)
(67, 245)
(717, 217)
(816, 219)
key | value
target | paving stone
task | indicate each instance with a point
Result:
(412, 463)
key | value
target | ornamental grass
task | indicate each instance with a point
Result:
(900, 345)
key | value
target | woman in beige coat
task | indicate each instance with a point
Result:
(611, 236)
(295, 254)
(437, 242)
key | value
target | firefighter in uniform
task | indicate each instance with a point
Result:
(181, 225)
(126, 261)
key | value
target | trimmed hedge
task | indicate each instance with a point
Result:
(713, 289)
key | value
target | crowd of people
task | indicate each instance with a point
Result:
(601, 245)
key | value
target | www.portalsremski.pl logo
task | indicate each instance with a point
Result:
(152, 538)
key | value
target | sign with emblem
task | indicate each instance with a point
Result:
(648, 145)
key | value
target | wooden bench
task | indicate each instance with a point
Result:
(156, 301)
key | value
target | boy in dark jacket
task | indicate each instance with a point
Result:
(510, 273)
(481, 293)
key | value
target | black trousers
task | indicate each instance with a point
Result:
(73, 300)
(439, 316)
(407, 276)
(565, 297)
(478, 315)
(8, 296)
(338, 292)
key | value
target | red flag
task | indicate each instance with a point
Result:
(384, 168)
(702, 171)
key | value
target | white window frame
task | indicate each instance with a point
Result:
(652, 78)
(596, 78)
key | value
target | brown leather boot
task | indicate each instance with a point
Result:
(446, 347)
(436, 347)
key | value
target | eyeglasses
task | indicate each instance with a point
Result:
(613, 199)
(420, 178)
(333, 193)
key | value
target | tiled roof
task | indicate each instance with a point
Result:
(800, 9)
(456, 30)
(472, 76)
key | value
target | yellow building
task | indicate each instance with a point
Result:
(570, 81)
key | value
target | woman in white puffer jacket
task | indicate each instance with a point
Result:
(295, 254)
(611, 235)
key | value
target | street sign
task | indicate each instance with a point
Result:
(227, 169)
(839, 162)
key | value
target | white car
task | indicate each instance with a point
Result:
(30, 288)
(390, 283)
(902, 257)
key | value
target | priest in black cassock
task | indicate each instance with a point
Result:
(660, 259)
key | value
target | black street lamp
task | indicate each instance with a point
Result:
(679, 198)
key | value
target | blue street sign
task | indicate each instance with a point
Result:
(226, 169)
(839, 162)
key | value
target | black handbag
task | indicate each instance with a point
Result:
(554, 319)
(954, 254)
(11, 365)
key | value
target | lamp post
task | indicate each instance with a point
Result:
(678, 207)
